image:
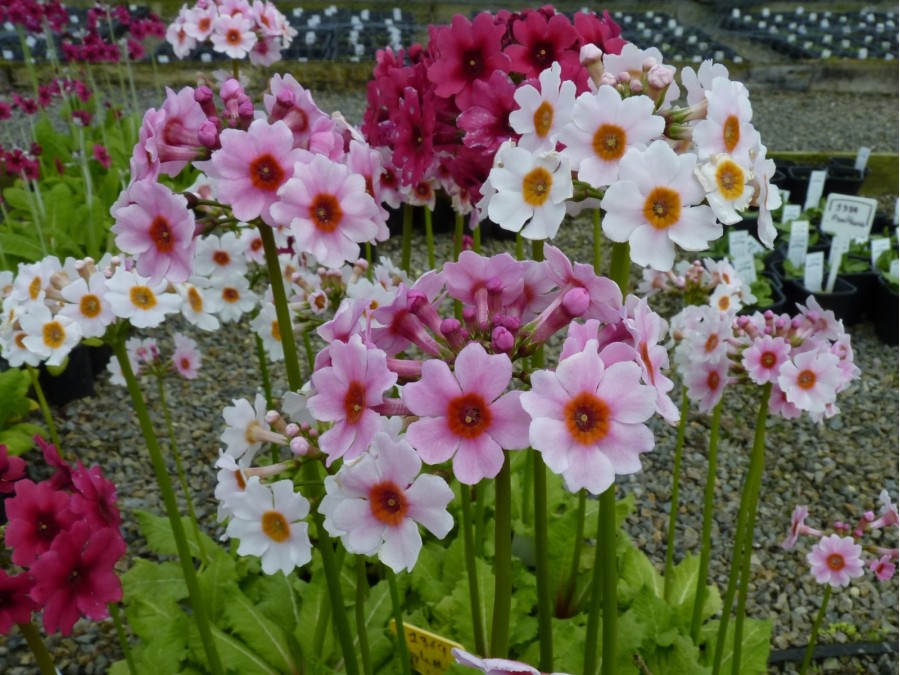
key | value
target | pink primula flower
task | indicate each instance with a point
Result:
(810, 380)
(883, 568)
(587, 420)
(251, 166)
(465, 414)
(186, 357)
(798, 527)
(346, 392)
(835, 560)
(233, 36)
(376, 504)
(764, 357)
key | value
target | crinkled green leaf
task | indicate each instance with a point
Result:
(158, 533)
(681, 658)
(683, 587)
(757, 637)
(13, 395)
(235, 655)
(245, 620)
(218, 585)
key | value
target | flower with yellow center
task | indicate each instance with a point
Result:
(145, 305)
(727, 128)
(86, 303)
(50, 337)
(656, 204)
(531, 191)
(728, 185)
(543, 114)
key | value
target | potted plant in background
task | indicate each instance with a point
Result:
(885, 312)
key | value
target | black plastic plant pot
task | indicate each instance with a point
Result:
(841, 300)
(886, 314)
(844, 180)
(75, 382)
(865, 286)
(798, 181)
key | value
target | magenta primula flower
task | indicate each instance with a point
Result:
(465, 53)
(346, 392)
(486, 121)
(465, 414)
(375, 505)
(835, 560)
(540, 41)
(413, 135)
(157, 227)
(328, 210)
(16, 604)
(37, 514)
(12, 469)
(77, 576)
(251, 166)
(587, 420)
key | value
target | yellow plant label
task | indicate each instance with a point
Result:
(429, 654)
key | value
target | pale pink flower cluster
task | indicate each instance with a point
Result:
(715, 282)
(807, 359)
(837, 558)
(235, 28)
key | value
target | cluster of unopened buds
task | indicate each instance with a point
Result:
(837, 558)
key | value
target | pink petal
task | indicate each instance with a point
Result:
(482, 373)
(509, 424)
(432, 439)
(401, 546)
(428, 499)
(429, 396)
(477, 458)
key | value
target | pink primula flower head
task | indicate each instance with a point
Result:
(467, 52)
(799, 527)
(251, 166)
(884, 568)
(465, 414)
(539, 41)
(376, 504)
(835, 560)
(328, 211)
(810, 380)
(186, 357)
(346, 392)
(764, 357)
(587, 420)
(606, 298)
(77, 576)
(157, 227)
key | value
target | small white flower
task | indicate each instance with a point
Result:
(542, 115)
(50, 337)
(233, 291)
(728, 186)
(266, 326)
(132, 297)
(246, 429)
(88, 305)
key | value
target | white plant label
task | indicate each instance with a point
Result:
(813, 271)
(7, 54)
(799, 242)
(839, 246)
(862, 158)
(895, 267)
(737, 244)
(206, 58)
(877, 247)
(790, 212)
(815, 189)
(785, 199)
(746, 268)
(850, 216)
(163, 58)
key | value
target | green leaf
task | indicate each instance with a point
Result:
(17, 198)
(377, 616)
(152, 580)
(274, 596)
(29, 250)
(313, 600)
(13, 389)
(683, 587)
(158, 533)
(235, 655)
(754, 650)
(218, 582)
(247, 622)
(681, 658)
(637, 572)
(19, 438)
(453, 613)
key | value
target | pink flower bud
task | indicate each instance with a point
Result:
(299, 446)
(502, 341)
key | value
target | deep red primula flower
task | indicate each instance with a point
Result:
(37, 514)
(94, 499)
(11, 469)
(16, 605)
(413, 137)
(77, 577)
(603, 32)
(486, 123)
(466, 52)
(540, 42)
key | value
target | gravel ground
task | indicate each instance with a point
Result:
(837, 468)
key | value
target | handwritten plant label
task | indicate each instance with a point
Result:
(790, 212)
(839, 246)
(799, 242)
(429, 654)
(848, 215)
(877, 247)
(815, 189)
(746, 268)
(813, 271)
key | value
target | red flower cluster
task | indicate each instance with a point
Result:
(95, 46)
(31, 14)
(64, 534)
(460, 87)
(20, 163)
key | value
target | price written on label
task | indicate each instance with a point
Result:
(848, 215)
(429, 654)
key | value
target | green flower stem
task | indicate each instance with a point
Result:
(603, 590)
(476, 239)
(673, 510)
(620, 266)
(598, 240)
(458, 232)
(362, 586)
(502, 561)
(123, 639)
(264, 371)
(322, 625)
(282, 312)
(756, 459)
(706, 535)
(479, 496)
(406, 240)
(465, 499)
(542, 563)
(45, 408)
(567, 606)
(179, 470)
(236, 69)
(369, 271)
(429, 237)
(308, 348)
(168, 495)
(38, 648)
(402, 650)
(813, 637)
(29, 60)
(310, 470)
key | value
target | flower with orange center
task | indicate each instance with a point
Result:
(835, 560)
(86, 303)
(345, 393)
(727, 128)
(531, 191)
(706, 380)
(269, 522)
(143, 303)
(762, 359)
(543, 114)
(656, 204)
(466, 414)
(376, 503)
(233, 35)
(587, 420)
(729, 187)
(603, 127)
(810, 380)
(50, 337)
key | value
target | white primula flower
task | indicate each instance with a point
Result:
(246, 429)
(543, 114)
(132, 297)
(728, 187)
(727, 128)
(50, 337)
(266, 326)
(87, 304)
(531, 192)
(654, 206)
(234, 294)
(268, 520)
